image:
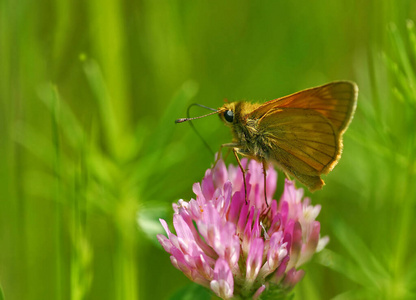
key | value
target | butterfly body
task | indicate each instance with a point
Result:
(300, 133)
(248, 135)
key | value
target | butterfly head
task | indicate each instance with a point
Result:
(227, 113)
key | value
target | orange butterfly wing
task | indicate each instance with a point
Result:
(303, 143)
(336, 101)
(304, 130)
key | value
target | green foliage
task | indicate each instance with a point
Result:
(190, 292)
(275, 292)
(90, 157)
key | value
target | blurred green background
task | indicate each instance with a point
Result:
(89, 91)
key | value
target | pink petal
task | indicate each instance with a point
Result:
(322, 243)
(275, 224)
(280, 272)
(207, 185)
(197, 189)
(203, 266)
(247, 231)
(242, 220)
(258, 293)
(296, 245)
(310, 247)
(236, 204)
(223, 201)
(179, 261)
(173, 238)
(220, 174)
(276, 251)
(254, 259)
(165, 226)
(165, 242)
(223, 283)
(182, 228)
(293, 277)
(284, 211)
(273, 207)
(256, 227)
(271, 181)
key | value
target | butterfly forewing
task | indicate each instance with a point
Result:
(336, 101)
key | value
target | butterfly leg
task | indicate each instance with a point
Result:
(264, 180)
(287, 176)
(229, 146)
(243, 171)
(226, 154)
(218, 156)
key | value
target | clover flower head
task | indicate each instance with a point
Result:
(240, 249)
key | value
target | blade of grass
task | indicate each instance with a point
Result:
(367, 263)
(57, 195)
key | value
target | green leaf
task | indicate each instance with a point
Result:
(191, 292)
(148, 220)
(277, 294)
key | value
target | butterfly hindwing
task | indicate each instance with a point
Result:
(304, 143)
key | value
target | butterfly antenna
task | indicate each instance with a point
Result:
(188, 118)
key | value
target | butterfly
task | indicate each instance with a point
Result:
(301, 133)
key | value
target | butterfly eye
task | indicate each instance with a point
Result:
(229, 116)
